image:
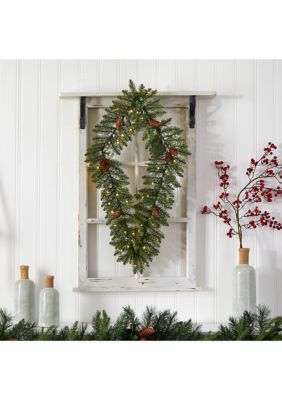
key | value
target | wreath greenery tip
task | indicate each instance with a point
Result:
(135, 220)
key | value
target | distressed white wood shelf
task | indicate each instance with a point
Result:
(133, 284)
(160, 94)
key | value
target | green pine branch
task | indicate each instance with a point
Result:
(164, 325)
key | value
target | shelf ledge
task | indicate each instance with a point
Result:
(160, 94)
(133, 284)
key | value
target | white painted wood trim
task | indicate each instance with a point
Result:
(191, 233)
(82, 214)
(133, 284)
(160, 94)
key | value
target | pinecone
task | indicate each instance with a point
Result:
(154, 123)
(104, 164)
(168, 157)
(145, 332)
(155, 212)
(119, 121)
(173, 151)
(116, 214)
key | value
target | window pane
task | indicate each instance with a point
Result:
(172, 258)
(101, 260)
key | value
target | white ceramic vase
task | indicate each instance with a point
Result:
(244, 285)
(24, 297)
(49, 304)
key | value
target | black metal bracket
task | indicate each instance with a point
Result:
(192, 111)
(82, 118)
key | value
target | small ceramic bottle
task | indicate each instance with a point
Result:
(244, 285)
(49, 304)
(24, 297)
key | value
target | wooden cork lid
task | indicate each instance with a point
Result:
(24, 271)
(49, 281)
(244, 255)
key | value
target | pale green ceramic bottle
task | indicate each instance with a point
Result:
(49, 304)
(24, 297)
(244, 285)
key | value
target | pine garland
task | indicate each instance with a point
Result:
(135, 220)
(153, 325)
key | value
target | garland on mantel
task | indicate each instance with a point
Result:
(153, 325)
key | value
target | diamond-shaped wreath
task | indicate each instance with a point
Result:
(135, 220)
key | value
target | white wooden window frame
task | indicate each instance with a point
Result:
(137, 283)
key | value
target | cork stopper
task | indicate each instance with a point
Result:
(244, 255)
(24, 272)
(49, 281)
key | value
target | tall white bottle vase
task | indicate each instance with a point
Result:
(49, 304)
(244, 285)
(24, 297)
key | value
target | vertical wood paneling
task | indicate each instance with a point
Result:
(186, 78)
(28, 185)
(265, 133)
(39, 174)
(148, 73)
(127, 70)
(8, 170)
(48, 159)
(278, 139)
(207, 143)
(67, 190)
(90, 70)
(246, 136)
(90, 303)
(166, 75)
(109, 75)
(226, 132)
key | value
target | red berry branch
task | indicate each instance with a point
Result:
(242, 211)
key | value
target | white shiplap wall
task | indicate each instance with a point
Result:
(39, 174)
